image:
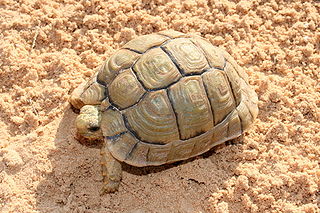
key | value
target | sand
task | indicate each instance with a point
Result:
(47, 48)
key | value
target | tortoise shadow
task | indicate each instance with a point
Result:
(157, 169)
(75, 178)
(141, 171)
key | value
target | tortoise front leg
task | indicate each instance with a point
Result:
(111, 171)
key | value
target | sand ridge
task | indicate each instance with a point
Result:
(47, 48)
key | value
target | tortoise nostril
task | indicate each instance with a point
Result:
(94, 128)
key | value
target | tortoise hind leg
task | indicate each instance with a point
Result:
(111, 171)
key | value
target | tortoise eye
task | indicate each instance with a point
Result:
(93, 128)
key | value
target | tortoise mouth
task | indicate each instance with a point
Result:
(93, 128)
(91, 136)
(90, 133)
(89, 141)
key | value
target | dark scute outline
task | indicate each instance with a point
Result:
(114, 137)
(232, 90)
(206, 91)
(133, 50)
(134, 133)
(174, 110)
(224, 67)
(241, 122)
(132, 149)
(167, 88)
(173, 59)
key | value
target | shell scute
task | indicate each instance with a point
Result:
(153, 118)
(125, 90)
(245, 114)
(138, 155)
(121, 146)
(112, 123)
(180, 150)
(191, 104)
(171, 33)
(122, 59)
(233, 62)
(202, 144)
(234, 128)
(234, 80)
(94, 94)
(156, 70)
(145, 42)
(189, 57)
(212, 53)
(219, 93)
(158, 154)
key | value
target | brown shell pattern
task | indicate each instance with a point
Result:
(159, 123)
(125, 89)
(156, 70)
(170, 96)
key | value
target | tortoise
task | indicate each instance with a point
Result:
(162, 98)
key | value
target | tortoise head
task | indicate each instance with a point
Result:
(88, 122)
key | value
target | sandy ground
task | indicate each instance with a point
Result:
(47, 48)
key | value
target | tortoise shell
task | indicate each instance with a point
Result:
(169, 96)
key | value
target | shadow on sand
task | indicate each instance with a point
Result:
(74, 182)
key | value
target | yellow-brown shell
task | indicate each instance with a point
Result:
(169, 96)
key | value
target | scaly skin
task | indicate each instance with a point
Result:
(111, 171)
